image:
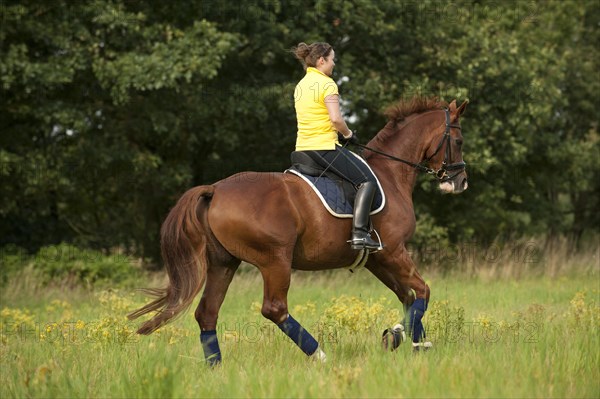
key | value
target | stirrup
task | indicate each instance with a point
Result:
(363, 243)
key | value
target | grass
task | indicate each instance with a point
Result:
(536, 336)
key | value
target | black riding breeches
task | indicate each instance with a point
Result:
(343, 163)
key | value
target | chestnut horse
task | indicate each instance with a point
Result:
(277, 223)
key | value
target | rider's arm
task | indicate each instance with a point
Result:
(332, 103)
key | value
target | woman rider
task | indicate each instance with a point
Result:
(319, 119)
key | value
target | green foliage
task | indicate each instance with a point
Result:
(172, 57)
(511, 61)
(111, 109)
(356, 315)
(95, 142)
(67, 264)
(13, 260)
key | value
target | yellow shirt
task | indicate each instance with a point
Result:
(315, 131)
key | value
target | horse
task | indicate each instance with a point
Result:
(275, 222)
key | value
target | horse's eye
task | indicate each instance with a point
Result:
(459, 142)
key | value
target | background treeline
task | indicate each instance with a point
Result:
(111, 109)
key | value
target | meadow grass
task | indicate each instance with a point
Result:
(493, 337)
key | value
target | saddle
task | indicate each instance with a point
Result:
(336, 194)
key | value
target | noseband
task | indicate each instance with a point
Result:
(442, 173)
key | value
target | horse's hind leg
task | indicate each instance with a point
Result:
(218, 279)
(276, 284)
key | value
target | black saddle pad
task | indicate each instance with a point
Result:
(336, 194)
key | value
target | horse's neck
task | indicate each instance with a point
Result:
(408, 142)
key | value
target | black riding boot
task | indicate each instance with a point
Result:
(360, 223)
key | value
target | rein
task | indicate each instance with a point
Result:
(441, 173)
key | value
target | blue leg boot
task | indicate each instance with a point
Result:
(302, 338)
(414, 324)
(210, 345)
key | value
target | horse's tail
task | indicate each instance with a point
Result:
(183, 246)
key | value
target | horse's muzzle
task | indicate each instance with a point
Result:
(456, 185)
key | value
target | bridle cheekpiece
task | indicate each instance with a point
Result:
(442, 173)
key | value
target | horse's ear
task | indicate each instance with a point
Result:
(462, 108)
(452, 106)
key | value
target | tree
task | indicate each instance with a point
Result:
(91, 144)
(111, 109)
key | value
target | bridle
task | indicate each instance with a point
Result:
(442, 173)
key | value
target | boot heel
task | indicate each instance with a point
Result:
(371, 246)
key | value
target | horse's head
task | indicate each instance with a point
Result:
(444, 154)
(429, 129)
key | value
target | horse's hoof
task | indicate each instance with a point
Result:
(421, 346)
(393, 337)
(319, 356)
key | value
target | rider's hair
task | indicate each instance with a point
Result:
(309, 54)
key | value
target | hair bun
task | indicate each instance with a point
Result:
(309, 54)
(301, 51)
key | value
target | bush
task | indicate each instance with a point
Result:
(66, 263)
(12, 260)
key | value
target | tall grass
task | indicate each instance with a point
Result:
(527, 333)
(507, 320)
(514, 259)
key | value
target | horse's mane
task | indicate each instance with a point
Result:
(417, 105)
(399, 111)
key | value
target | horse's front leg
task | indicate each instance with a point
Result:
(398, 272)
(276, 278)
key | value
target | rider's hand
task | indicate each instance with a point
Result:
(352, 139)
